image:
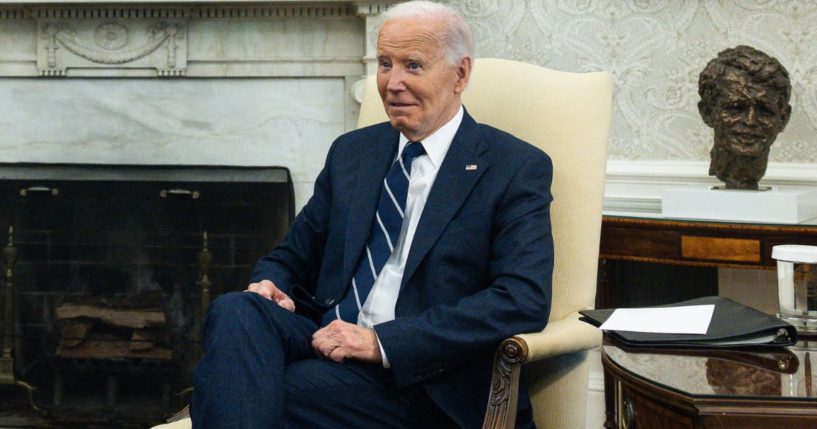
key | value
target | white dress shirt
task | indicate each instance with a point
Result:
(379, 305)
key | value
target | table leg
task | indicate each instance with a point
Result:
(609, 400)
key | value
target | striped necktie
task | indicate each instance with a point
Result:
(383, 236)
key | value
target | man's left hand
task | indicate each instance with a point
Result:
(341, 340)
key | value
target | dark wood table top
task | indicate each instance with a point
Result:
(776, 374)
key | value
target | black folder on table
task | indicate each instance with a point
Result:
(733, 325)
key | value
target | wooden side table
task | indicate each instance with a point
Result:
(691, 243)
(675, 389)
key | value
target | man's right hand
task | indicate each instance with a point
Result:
(268, 290)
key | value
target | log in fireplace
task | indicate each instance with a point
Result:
(108, 269)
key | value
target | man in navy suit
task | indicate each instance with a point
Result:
(468, 264)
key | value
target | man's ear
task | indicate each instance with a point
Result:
(463, 74)
(784, 117)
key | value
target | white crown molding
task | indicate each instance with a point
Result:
(634, 187)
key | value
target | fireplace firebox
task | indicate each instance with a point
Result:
(108, 269)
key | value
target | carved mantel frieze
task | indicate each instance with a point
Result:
(178, 38)
(157, 44)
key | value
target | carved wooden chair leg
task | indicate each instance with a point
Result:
(501, 412)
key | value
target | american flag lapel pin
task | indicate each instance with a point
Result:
(470, 167)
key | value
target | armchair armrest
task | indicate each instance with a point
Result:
(559, 337)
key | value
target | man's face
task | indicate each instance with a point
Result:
(420, 89)
(747, 117)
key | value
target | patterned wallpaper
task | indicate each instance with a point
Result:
(655, 50)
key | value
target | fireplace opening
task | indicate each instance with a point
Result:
(107, 272)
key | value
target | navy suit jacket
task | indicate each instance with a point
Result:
(478, 271)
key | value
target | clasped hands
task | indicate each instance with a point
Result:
(337, 341)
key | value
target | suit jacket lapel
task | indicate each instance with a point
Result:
(373, 164)
(451, 188)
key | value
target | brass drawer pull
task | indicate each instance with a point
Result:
(164, 193)
(39, 190)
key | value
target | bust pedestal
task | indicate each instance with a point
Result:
(789, 205)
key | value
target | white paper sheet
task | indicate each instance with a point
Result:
(689, 319)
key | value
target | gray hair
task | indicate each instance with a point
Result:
(458, 38)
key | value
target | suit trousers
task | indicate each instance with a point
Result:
(258, 370)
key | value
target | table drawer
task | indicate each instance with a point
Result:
(636, 411)
(720, 249)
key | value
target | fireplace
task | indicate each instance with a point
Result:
(112, 269)
(130, 118)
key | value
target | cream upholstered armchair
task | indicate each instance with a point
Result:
(568, 116)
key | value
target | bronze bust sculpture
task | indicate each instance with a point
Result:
(745, 99)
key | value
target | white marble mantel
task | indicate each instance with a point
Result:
(183, 38)
(183, 82)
